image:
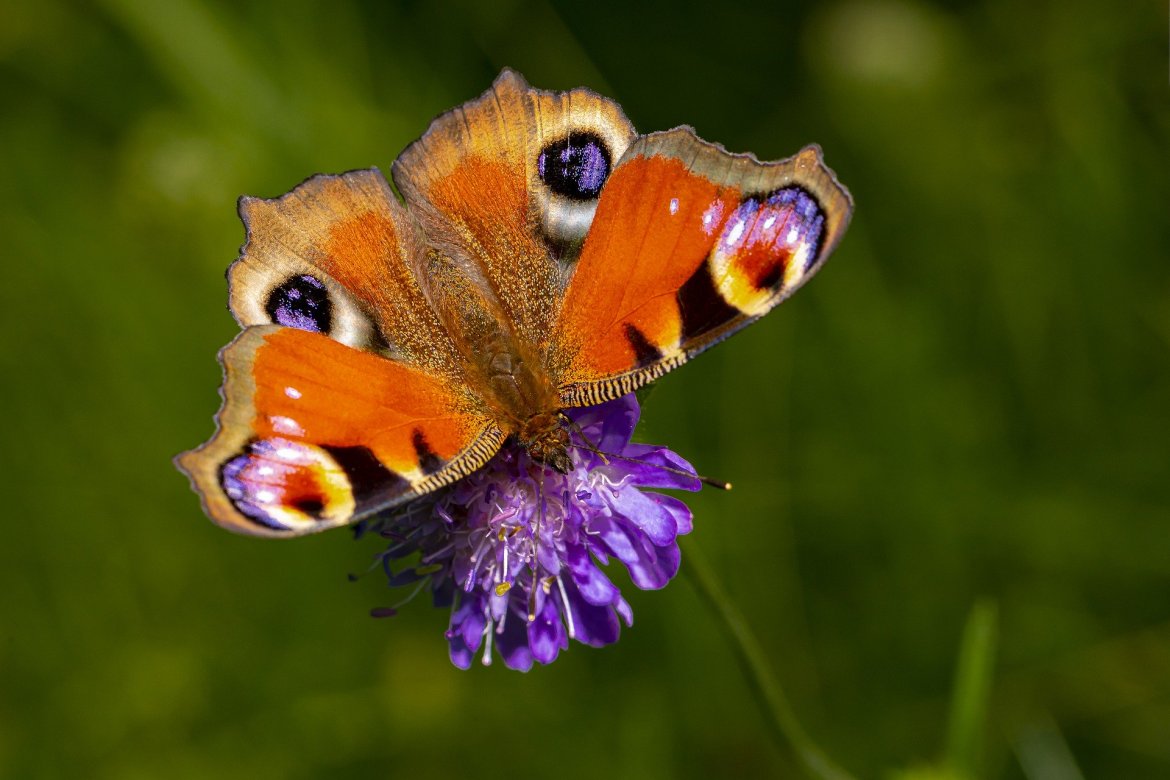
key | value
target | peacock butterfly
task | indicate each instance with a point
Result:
(545, 256)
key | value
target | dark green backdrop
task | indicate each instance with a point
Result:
(970, 402)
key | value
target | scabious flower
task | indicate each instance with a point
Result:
(516, 549)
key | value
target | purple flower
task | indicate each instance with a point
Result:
(517, 549)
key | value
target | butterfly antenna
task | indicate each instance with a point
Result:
(715, 483)
(581, 432)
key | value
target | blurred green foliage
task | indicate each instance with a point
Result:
(971, 402)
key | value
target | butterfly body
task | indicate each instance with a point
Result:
(544, 256)
(525, 404)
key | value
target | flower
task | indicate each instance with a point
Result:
(516, 549)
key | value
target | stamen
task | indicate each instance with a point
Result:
(378, 562)
(436, 553)
(487, 639)
(567, 612)
(503, 620)
(536, 544)
(445, 516)
(475, 559)
(391, 611)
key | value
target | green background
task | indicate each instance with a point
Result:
(972, 401)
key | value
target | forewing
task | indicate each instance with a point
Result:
(505, 187)
(689, 244)
(340, 255)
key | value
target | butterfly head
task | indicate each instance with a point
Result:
(546, 439)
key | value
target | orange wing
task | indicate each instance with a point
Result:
(505, 187)
(314, 434)
(340, 255)
(689, 244)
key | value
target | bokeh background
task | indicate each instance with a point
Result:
(970, 405)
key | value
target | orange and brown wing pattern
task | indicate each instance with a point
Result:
(340, 255)
(689, 244)
(505, 187)
(314, 434)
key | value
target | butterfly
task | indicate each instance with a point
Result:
(544, 256)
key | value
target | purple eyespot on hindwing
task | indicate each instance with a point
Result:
(804, 221)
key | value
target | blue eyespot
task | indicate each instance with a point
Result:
(575, 167)
(301, 302)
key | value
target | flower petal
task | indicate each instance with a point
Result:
(546, 634)
(465, 632)
(513, 643)
(608, 426)
(650, 468)
(593, 625)
(677, 509)
(593, 585)
(625, 611)
(650, 566)
(647, 514)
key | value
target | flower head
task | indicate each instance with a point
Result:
(517, 548)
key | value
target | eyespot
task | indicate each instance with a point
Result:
(767, 247)
(286, 485)
(576, 166)
(301, 302)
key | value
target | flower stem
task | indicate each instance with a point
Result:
(770, 696)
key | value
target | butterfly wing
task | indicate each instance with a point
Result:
(340, 255)
(315, 434)
(505, 187)
(344, 395)
(538, 228)
(689, 244)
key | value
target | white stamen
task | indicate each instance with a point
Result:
(436, 554)
(476, 558)
(503, 620)
(568, 612)
(487, 639)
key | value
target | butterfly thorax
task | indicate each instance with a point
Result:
(527, 405)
